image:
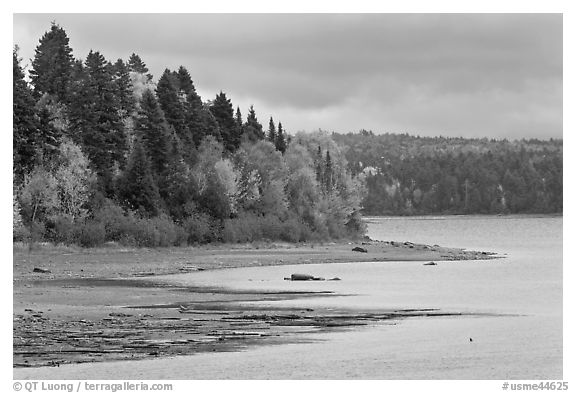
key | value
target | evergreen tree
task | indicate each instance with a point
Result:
(135, 64)
(239, 122)
(271, 131)
(281, 140)
(328, 173)
(210, 124)
(175, 186)
(136, 187)
(319, 166)
(49, 137)
(151, 128)
(198, 119)
(81, 99)
(94, 117)
(222, 110)
(185, 83)
(25, 125)
(172, 106)
(252, 128)
(52, 64)
(124, 89)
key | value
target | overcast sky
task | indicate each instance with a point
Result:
(470, 75)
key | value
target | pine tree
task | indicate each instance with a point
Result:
(174, 184)
(224, 113)
(239, 122)
(49, 137)
(252, 128)
(52, 64)
(94, 117)
(281, 140)
(210, 124)
(197, 118)
(24, 122)
(151, 128)
(172, 106)
(135, 64)
(123, 84)
(136, 187)
(81, 100)
(185, 83)
(319, 166)
(327, 175)
(271, 131)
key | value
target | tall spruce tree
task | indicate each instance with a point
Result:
(238, 118)
(252, 128)
(135, 64)
(168, 93)
(319, 163)
(24, 122)
(136, 187)
(94, 117)
(185, 83)
(124, 89)
(271, 131)
(280, 142)
(239, 123)
(52, 64)
(328, 173)
(210, 123)
(224, 113)
(175, 187)
(151, 128)
(49, 137)
(196, 116)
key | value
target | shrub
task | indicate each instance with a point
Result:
(138, 232)
(19, 231)
(271, 227)
(236, 231)
(294, 231)
(91, 234)
(249, 228)
(61, 229)
(113, 218)
(168, 233)
(37, 231)
(355, 225)
(201, 228)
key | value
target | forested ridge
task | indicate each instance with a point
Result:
(104, 151)
(412, 175)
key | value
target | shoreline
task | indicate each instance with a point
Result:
(435, 216)
(107, 304)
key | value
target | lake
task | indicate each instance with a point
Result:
(516, 329)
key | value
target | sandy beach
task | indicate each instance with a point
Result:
(114, 303)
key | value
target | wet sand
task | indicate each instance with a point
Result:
(115, 303)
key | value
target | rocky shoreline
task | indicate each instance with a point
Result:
(91, 305)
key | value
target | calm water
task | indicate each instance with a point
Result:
(524, 340)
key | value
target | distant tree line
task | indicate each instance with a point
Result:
(411, 175)
(102, 152)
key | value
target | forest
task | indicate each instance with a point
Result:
(104, 153)
(412, 175)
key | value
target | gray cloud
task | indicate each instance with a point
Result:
(455, 74)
